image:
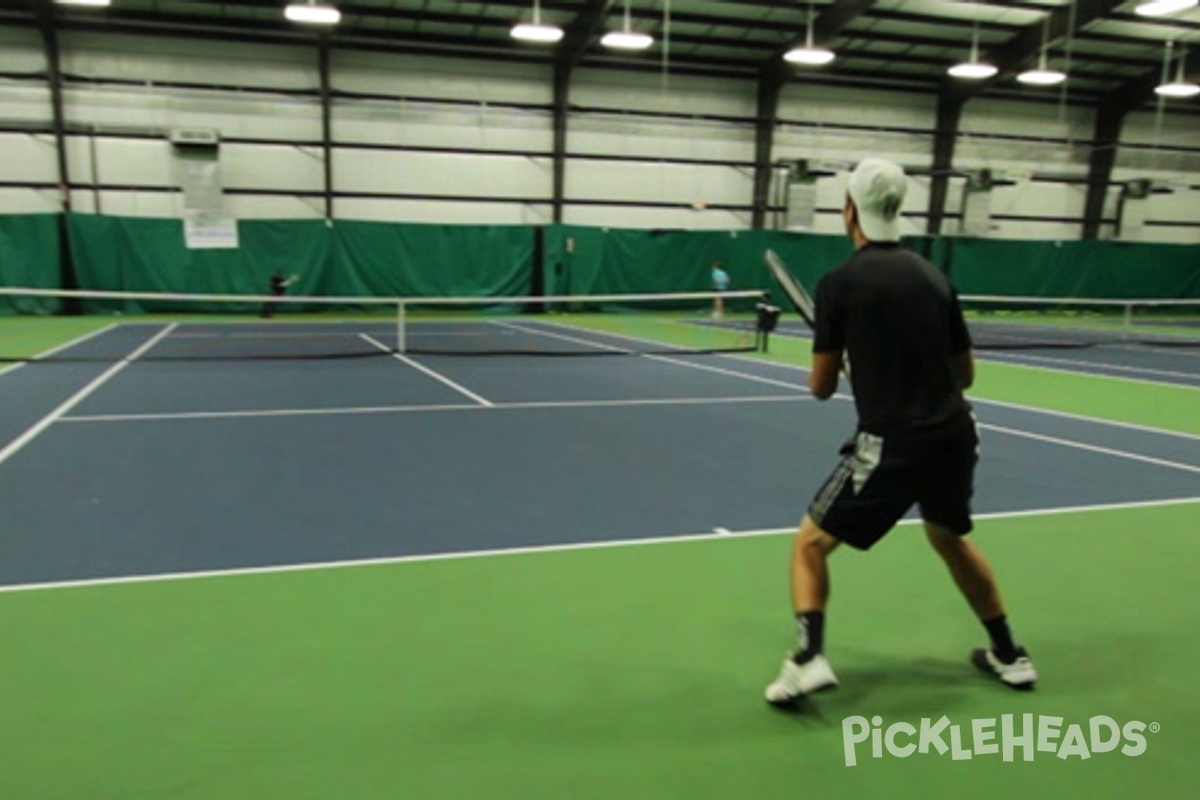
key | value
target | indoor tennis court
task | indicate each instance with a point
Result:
(410, 398)
(542, 576)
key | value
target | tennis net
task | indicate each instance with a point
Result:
(45, 325)
(1017, 323)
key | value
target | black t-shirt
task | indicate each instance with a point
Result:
(898, 319)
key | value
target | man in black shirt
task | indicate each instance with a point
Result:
(896, 319)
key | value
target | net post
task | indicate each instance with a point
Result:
(1127, 329)
(401, 345)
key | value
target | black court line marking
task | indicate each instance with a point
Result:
(45, 422)
(715, 534)
(437, 376)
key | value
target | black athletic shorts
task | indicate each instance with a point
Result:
(879, 479)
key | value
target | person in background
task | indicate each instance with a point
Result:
(720, 282)
(279, 283)
(898, 320)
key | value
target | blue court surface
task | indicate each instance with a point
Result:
(150, 467)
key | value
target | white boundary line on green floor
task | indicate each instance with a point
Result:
(717, 533)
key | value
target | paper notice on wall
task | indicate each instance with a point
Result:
(1132, 222)
(801, 204)
(205, 231)
(207, 224)
(977, 212)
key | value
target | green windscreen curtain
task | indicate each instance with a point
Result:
(371, 258)
(580, 260)
(1073, 269)
(352, 259)
(30, 256)
(365, 259)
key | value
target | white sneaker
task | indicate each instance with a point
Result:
(796, 680)
(1018, 674)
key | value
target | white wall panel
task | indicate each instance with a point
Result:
(22, 49)
(431, 77)
(828, 105)
(29, 201)
(637, 135)
(657, 182)
(22, 102)
(28, 157)
(432, 211)
(176, 60)
(272, 167)
(645, 218)
(428, 124)
(160, 110)
(443, 174)
(985, 117)
(841, 148)
(645, 92)
(1040, 199)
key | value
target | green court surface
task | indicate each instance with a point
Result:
(621, 671)
(625, 672)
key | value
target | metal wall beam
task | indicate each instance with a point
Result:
(945, 135)
(326, 122)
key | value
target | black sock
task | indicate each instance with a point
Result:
(810, 626)
(1002, 642)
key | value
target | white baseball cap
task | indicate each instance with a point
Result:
(877, 188)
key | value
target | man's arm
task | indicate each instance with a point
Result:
(823, 380)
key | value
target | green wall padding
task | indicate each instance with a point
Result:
(1073, 268)
(364, 259)
(353, 259)
(29, 256)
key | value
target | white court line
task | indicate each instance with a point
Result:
(976, 400)
(304, 412)
(535, 550)
(74, 400)
(1020, 358)
(1108, 451)
(654, 357)
(47, 353)
(464, 391)
(1088, 374)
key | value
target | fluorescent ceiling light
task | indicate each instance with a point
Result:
(1161, 8)
(535, 31)
(527, 32)
(1042, 77)
(1177, 89)
(808, 54)
(96, 3)
(1181, 86)
(627, 40)
(974, 70)
(312, 13)
(814, 56)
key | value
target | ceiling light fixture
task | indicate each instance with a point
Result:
(1042, 75)
(313, 13)
(974, 69)
(626, 38)
(809, 55)
(1180, 87)
(535, 31)
(93, 3)
(1161, 8)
